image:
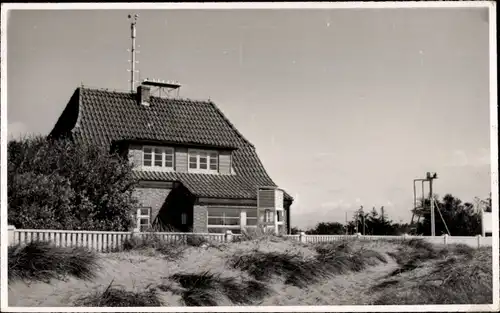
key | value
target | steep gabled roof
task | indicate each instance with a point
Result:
(104, 117)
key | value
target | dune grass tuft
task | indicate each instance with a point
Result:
(256, 233)
(293, 267)
(454, 275)
(196, 241)
(413, 253)
(169, 250)
(114, 296)
(340, 258)
(42, 261)
(208, 289)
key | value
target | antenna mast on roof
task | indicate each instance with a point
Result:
(132, 51)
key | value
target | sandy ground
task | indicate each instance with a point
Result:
(136, 271)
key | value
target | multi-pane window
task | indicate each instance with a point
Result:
(158, 157)
(203, 161)
(143, 218)
(223, 217)
(268, 216)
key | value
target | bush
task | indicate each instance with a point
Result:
(41, 261)
(119, 297)
(61, 185)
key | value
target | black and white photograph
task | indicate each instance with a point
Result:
(249, 156)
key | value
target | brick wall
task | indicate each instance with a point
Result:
(151, 197)
(200, 219)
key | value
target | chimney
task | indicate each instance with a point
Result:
(143, 95)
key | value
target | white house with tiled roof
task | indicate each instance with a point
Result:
(196, 171)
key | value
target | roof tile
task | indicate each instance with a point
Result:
(107, 116)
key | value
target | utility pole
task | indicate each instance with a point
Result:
(430, 178)
(346, 222)
(363, 224)
(363, 218)
(357, 222)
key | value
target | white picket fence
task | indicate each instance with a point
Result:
(103, 241)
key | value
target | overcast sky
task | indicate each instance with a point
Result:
(345, 107)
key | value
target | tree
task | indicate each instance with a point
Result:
(379, 224)
(332, 228)
(461, 218)
(487, 203)
(57, 184)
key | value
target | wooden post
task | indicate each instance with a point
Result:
(11, 234)
(479, 241)
(346, 223)
(445, 237)
(302, 237)
(135, 232)
(483, 231)
(433, 217)
(228, 236)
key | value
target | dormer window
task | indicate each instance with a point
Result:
(203, 161)
(161, 158)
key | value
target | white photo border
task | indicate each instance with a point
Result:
(491, 5)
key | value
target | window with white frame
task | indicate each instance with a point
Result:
(143, 218)
(268, 216)
(158, 157)
(203, 161)
(223, 218)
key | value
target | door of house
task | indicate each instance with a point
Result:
(184, 222)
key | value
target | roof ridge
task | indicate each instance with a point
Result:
(219, 111)
(123, 92)
(86, 87)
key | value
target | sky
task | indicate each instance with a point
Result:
(345, 106)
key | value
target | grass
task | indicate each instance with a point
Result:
(197, 241)
(114, 296)
(413, 253)
(341, 258)
(296, 269)
(256, 233)
(456, 274)
(208, 289)
(153, 243)
(265, 270)
(42, 261)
